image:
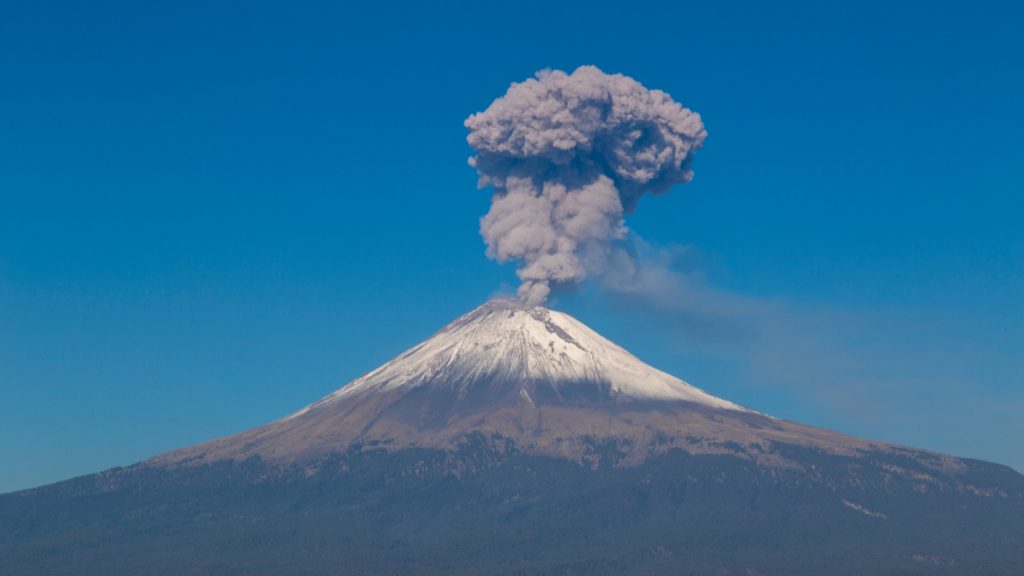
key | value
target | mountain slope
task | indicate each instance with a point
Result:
(518, 441)
(472, 511)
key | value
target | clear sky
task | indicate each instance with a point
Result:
(213, 214)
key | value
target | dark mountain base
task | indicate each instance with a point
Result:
(477, 512)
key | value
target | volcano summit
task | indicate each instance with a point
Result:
(518, 376)
(518, 441)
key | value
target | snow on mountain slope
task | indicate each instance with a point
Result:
(502, 341)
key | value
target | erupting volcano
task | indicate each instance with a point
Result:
(516, 440)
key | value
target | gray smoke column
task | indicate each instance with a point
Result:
(568, 155)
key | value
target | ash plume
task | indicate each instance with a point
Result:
(568, 156)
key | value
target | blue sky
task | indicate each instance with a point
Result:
(213, 215)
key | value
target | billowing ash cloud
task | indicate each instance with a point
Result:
(568, 155)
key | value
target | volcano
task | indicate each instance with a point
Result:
(528, 378)
(516, 440)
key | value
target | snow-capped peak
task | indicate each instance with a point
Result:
(516, 346)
